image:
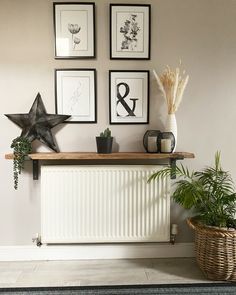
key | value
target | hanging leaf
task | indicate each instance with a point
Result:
(21, 148)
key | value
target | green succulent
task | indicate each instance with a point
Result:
(21, 148)
(106, 133)
(210, 192)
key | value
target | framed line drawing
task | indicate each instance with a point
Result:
(130, 31)
(74, 29)
(75, 94)
(129, 97)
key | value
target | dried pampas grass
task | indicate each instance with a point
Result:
(172, 87)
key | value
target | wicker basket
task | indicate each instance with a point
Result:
(215, 251)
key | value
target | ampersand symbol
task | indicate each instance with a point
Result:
(121, 99)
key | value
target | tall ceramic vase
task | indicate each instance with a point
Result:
(171, 126)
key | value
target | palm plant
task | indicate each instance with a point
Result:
(210, 192)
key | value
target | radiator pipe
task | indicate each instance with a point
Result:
(173, 233)
(37, 239)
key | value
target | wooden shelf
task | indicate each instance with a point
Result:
(80, 157)
(112, 156)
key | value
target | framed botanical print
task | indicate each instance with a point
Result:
(75, 93)
(129, 97)
(74, 28)
(130, 31)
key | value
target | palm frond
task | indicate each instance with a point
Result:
(211, 192)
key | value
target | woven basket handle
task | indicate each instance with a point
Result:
(190, 223)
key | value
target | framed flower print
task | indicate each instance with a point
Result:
(130, 31)
(74, 27)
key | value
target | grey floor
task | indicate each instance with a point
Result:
(100, 272)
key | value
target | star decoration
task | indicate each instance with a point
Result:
(37, 123)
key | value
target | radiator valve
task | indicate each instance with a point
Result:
(173, 233)
(37, 239)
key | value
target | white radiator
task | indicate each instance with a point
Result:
(98, 204)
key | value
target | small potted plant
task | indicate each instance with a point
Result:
(21, 148)
(211, 194)
(104, 142)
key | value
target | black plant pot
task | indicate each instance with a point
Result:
(104, 144)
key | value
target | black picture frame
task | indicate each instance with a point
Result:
(124, 42)
(76, 94)
(129, 97)
(74, 30)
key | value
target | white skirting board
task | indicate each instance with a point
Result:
(101, 251)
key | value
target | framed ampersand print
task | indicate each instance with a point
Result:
(129, 97)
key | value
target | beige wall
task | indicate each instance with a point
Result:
(200, 32)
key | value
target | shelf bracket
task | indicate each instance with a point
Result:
(35, 169)
(173, 166)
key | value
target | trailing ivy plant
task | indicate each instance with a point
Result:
(210, 192)
(21, 148)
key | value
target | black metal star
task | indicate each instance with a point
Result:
(37, 123)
